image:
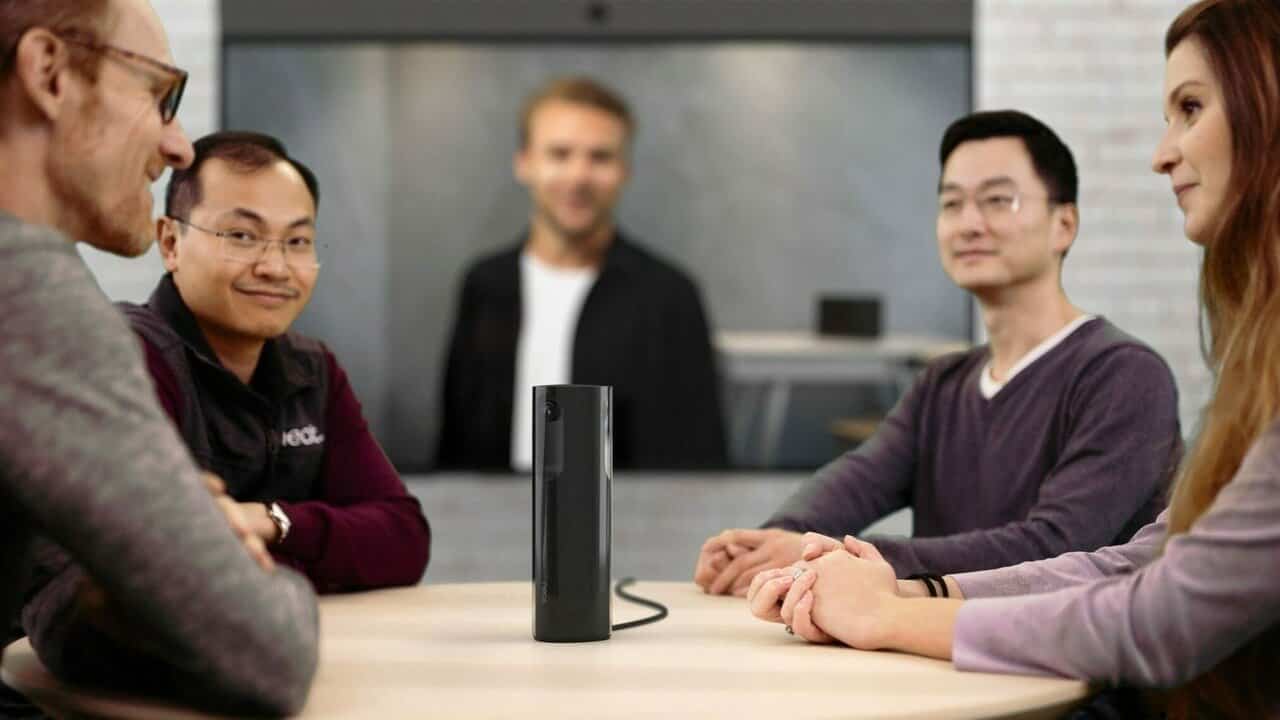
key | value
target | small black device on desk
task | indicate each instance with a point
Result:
(849, 315)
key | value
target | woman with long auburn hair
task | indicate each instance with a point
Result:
(1192, 603)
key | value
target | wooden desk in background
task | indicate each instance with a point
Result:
(466, 651)
(776, 360)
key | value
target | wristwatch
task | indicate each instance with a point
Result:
(282, 521)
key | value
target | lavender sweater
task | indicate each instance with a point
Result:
(1131, 614)
(1074, 453)
(88, 459)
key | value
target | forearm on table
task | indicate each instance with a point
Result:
(79, 630)
(921, 626)
(85, 636)
(126, 502)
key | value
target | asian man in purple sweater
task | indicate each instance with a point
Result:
(1192, 603)
(1060, 434)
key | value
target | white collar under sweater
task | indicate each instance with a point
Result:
(989, 386)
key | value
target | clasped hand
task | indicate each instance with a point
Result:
(838, 591)
(238, 518)
(729, 561)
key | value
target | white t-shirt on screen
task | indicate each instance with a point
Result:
(551, 299)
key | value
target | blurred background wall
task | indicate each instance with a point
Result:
(1090, 68)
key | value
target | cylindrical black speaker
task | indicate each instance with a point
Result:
(572, 505)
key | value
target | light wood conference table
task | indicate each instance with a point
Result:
(466, 651)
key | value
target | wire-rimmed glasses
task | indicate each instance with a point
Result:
(245, 246)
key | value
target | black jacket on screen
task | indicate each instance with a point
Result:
(642, 330)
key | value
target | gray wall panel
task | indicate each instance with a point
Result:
(771, 171)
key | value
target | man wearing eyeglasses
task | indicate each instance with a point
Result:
(1060, 434)
(270, 412)
(88, 97)
(239, 241)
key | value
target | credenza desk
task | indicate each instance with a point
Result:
(466, 651)
(776, 360)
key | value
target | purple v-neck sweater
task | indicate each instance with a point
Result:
(1074, 453)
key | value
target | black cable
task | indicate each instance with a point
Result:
(620, 592)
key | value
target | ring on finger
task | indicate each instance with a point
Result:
(795, 574)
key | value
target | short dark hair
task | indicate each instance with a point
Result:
(245, 151)
(1050, 157)
(579, 91)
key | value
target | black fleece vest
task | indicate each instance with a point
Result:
(265, 445)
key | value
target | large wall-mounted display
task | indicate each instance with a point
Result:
(772, 170)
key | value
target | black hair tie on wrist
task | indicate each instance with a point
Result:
(928, 582)
(940, 590)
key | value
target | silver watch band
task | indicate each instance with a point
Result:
(281, 520)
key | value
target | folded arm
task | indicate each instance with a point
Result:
(90, 461)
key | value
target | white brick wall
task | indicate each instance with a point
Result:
(194, 36)
(1092, 70)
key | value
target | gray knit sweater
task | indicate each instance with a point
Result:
(88, 459)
